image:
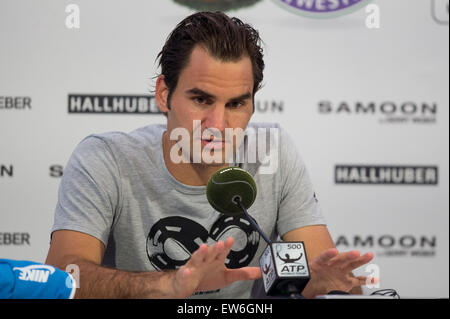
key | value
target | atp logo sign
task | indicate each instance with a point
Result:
(290, 259)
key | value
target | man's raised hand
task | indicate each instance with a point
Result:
(206, 271)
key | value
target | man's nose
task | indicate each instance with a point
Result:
(216, 118)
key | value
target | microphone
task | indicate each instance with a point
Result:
(284, 266)
(20, 279)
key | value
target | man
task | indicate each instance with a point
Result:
(134, 216)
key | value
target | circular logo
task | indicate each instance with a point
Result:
(322, 9)
(216, 5)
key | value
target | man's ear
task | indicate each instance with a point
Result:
(161, 94)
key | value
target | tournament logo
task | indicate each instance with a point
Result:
(269, 106)
(268, 268)
(387, 112)
(6, 170)
(56, 170)
(112, 104)
(14, 239)
(216, 5)
(391, 245)
(289, 259)
(386, 174)
(322, 9)
(15, 103)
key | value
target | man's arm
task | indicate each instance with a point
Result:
(71, 247)
(317, 239)
(320, 253)
(204, 271)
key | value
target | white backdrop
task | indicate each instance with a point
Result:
(349, 95)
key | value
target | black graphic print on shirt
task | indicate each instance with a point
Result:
(172, 240)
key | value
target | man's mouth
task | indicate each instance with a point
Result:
(213, 143)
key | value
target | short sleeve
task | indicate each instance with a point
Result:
(89, 192)
(298, 206)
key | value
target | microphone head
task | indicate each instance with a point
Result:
(227, 184)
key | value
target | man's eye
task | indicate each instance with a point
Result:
(236, 104)
(200, 100)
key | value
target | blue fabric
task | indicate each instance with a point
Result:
(20, 279)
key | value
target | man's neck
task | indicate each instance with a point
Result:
(193, 174)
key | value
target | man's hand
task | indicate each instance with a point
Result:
(331, 270)
(206, 270)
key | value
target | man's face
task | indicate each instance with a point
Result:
(216, 95)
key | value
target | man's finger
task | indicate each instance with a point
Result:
(372, 280)
(345, 258)
(245, 273)
(362, 260)
(214, 251)
(228, 244)
(359, 281)
(326, 256)
(198, 257)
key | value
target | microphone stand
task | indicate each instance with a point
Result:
(237, 200)
(292, 289)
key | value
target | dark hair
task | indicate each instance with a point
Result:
(225, 38)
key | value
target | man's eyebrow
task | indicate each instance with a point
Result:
(196, 91)
(244, 96)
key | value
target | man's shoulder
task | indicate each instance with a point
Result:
(272, 132)
(147, 135)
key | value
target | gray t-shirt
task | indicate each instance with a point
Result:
(116, 187)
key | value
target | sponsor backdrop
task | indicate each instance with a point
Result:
(362, 87)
